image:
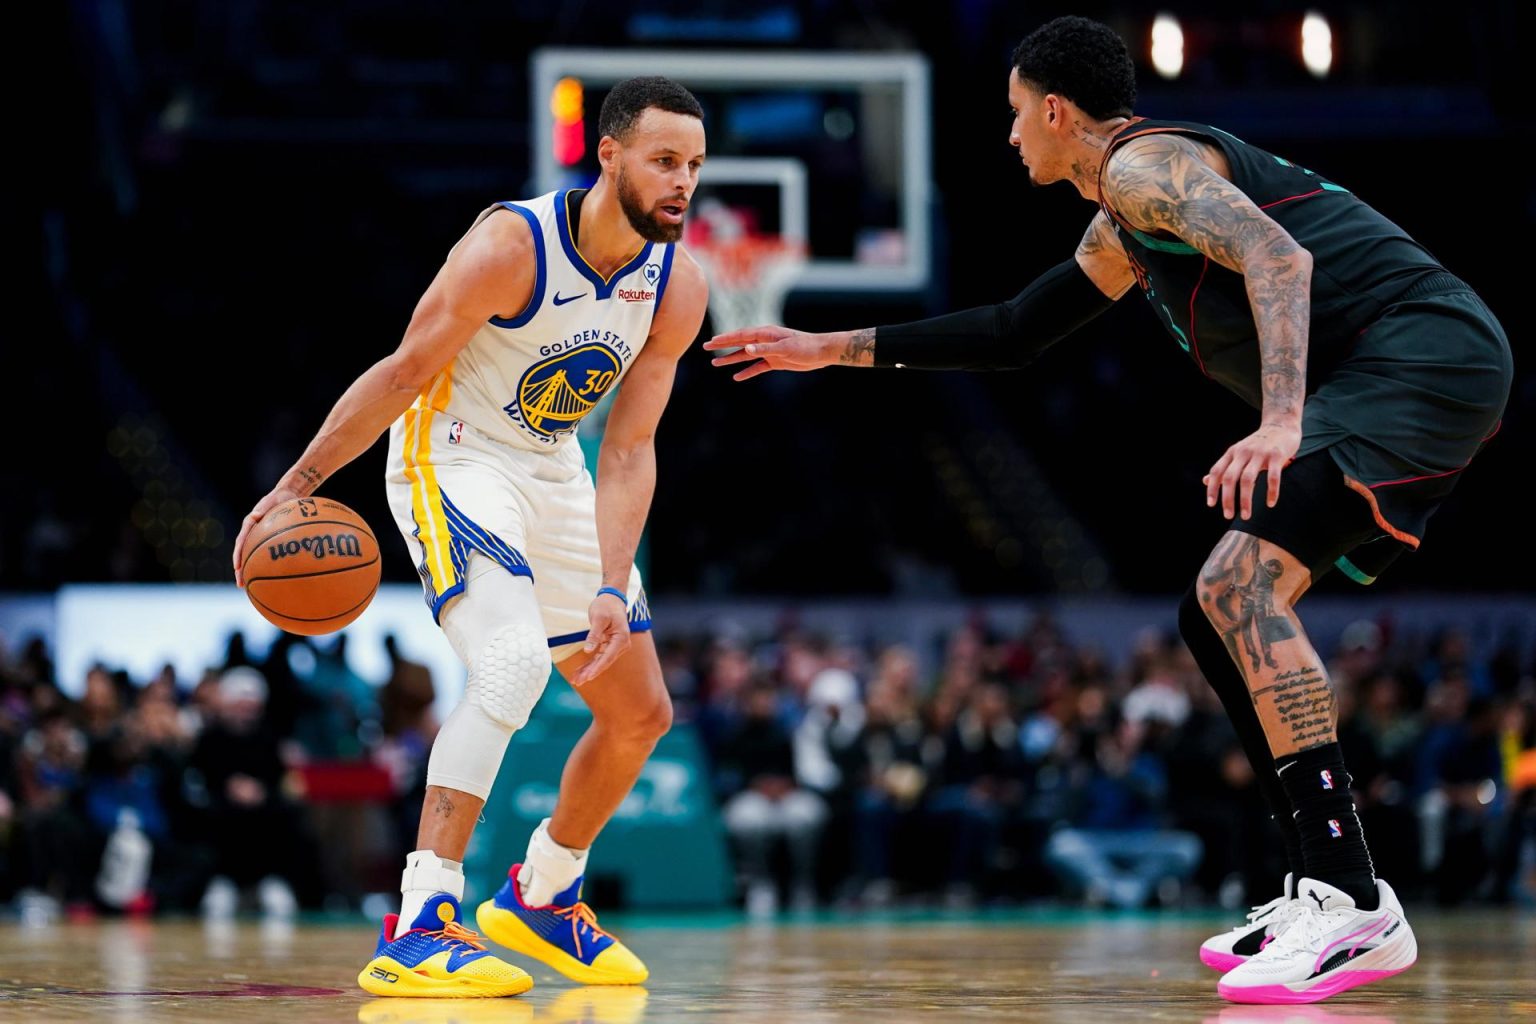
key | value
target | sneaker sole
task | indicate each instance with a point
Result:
(1373, 966)
(1219, 961)
(385, 977)
(508, 929)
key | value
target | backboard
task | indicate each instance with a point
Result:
(830, 150)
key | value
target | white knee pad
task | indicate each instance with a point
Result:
(492, 629)
(505, 682)
(509, 676)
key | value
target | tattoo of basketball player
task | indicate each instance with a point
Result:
(311, 477)
(1245, 605)
(444, 804)
(1163, 183)
(1304, 703)
(860, 350)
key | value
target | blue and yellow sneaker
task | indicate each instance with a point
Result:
(438, 957)
(563, 935)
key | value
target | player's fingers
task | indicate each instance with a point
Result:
(740, 355)
(245, 530)
(1213, 478)
(613, 645)
(602, 626)
(1230, 480)
(1276, 467)
(760, 367)
(744, 336)
(1247, 479)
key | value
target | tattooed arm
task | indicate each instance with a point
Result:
(1103, 259)
(1162, 183)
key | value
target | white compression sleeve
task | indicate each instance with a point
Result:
(497, 631)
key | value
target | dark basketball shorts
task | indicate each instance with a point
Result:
(1388, 432)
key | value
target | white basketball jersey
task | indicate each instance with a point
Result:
(528, 380)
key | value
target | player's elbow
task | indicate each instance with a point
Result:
(626, 451)
(1283, 250)
(407, 375)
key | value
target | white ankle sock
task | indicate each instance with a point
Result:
(548, 868)
(426, 874)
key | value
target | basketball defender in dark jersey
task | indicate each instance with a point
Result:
(1377, 375)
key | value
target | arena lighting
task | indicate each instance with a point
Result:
(1316, 44)
(567, 103)
(1167, 46)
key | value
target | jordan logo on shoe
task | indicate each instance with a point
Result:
(1321, 900)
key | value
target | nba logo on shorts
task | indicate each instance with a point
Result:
(1333, 828)
(1327, 778)
(456, 431)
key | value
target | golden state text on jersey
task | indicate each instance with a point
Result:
(556, 392)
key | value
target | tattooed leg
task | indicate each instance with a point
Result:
(1247, 589)
(448, 817)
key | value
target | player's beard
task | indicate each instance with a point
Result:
(641, 219)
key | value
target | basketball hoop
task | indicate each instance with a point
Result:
(748, 278)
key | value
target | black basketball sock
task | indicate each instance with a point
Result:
(1216, 664)
(1332, 842)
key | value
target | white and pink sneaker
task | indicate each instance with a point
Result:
(1225, 951)
(1327, 947)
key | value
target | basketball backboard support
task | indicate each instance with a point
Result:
(830, 150)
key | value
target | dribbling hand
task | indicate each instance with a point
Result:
(1270, 448)
(265, 505)
(607, 639)
(770, 348)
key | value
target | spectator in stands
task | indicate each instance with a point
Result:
(980, 788)
(1118, 850)
(236, 776)
(764, 809)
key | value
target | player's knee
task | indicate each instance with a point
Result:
(1215, 600)
(657, 721)
(509, 675)
(641, 724)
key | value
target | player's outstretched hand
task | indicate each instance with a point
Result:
(771, 348)
(265, 505)
(607, 639)
(1270, 448)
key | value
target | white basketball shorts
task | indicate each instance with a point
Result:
(453, 490)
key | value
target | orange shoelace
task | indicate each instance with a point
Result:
(580, 914)
(454, 933)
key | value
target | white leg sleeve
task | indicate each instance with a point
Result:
(498, 633)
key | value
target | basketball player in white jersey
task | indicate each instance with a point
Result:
(540, 310)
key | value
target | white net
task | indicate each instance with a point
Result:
(749, 274)
(748, 281)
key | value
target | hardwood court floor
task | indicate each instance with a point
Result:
(1063, 967)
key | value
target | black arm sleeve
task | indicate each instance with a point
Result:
(1006, 336)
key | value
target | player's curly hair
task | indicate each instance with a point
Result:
(629, 99)
(1084, 60)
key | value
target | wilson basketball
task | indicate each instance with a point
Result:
(311, 566)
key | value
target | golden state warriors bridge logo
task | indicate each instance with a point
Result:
(556, 393)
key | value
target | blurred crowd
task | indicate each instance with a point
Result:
(975, 767)
(1025, 766)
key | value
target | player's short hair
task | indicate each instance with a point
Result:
(1084, 60)
(633, 96)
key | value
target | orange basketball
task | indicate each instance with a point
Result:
(311, 566)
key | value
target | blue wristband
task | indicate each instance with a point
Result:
(616, 592)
